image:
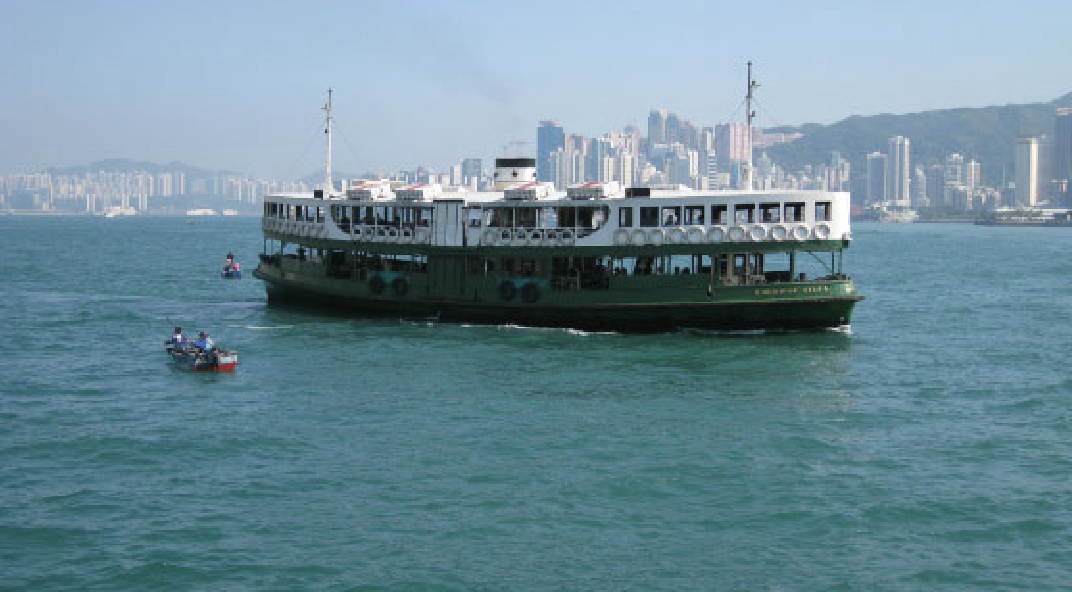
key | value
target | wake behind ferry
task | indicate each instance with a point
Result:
(596, 256)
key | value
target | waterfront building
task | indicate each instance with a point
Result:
(898, 171)
(549, 137)
(1027, 179)
(876, 177)
(1062, 146)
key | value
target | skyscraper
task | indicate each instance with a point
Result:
(549, 137)
(1062, 145)
(1027, 171)
(657, 127)
(898, 171)
(876, 177)
(731, 144)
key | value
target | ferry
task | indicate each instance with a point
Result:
(596, 256)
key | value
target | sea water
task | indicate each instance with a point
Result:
(927, 448)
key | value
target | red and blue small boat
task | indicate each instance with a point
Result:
(189, 357)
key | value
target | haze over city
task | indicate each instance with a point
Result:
(238, 85)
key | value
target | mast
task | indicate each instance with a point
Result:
(328, 186)
(750, 116)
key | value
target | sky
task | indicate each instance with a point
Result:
(238, 85)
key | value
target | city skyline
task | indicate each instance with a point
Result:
(238, 86)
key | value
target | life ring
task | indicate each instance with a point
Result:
(400, 286)
(621, 236)
(737, 233)
(822, 231)
(530, 292)
(565, 237)
(550, 237)
(406, 235)
(779, 232)
(535, 237)
(507, 290)
(521, 236)
(695, 235)
(392, 235)
(800, 233)
(506, 236)
(675, 236)
(757, 233)
(490, 236)
(656, 236)
(639, 237)
(376, 284)
(715, 234)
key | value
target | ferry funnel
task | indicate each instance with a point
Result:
(514, 172)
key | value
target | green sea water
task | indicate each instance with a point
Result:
(929, 448)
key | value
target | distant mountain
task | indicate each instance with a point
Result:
(126, 165)
(987, 134)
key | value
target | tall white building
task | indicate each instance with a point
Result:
(898, 171)
(1027, 168)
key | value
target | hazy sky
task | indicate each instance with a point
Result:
(238, 85)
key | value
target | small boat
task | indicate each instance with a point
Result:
(188, 356)
(231, 269)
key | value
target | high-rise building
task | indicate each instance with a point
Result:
(657, 126)
(1027, 178)
(1062, 145)
(731, 144)
(898, 171)
(973, 172)
(471, 171)
(549, 137)
(876, 177)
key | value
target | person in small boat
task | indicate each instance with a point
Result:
(204, 342)
(178, 340)
(231, 266)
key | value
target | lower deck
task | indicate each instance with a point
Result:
(648, 293)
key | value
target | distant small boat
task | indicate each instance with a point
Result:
(188, 357)
(201, 212)
(231, 269)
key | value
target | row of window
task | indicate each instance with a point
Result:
(654, 216)
(293, 212)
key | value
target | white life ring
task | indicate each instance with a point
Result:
(737, 233)
(822, 231)
(675, 236)
(392, 235)
(696, 235)
(656, 236)
(715, 234)
(565, 237)
(421, 235)
(639, 237)
(800, 233)
(521, 236)
(779, 232)
(535, 237)
(406, 236)
(621, 236)
(757, 233)
(550, 237)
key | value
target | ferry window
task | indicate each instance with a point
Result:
(476, 217)
(625, 217)
(770, 212)
(649, 217)
(718, 214)
(739, 261)
(694, 214)
(822, 211)
(794, 212)
(319, 214)
(526, 217)
(585, 217)
(744, 213)
(501, 217)
(298, 213)
(369, 215)
(335, 213)
(671, 216)
(381, 215)
(567, 217)
(424, 216)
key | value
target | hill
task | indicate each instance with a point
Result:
(987, 134)
(126, 165)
